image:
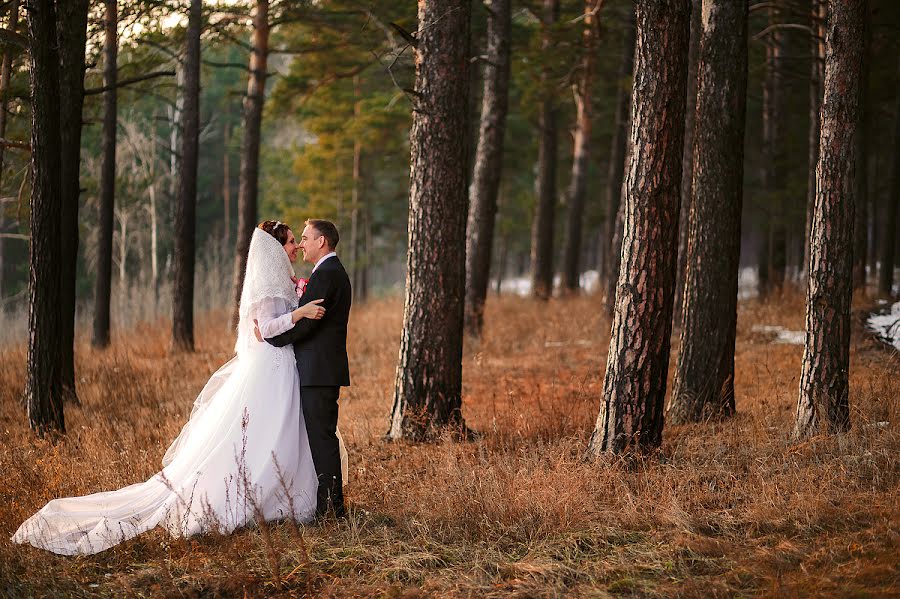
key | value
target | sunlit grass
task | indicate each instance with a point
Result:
(726, 508)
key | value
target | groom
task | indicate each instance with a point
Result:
(320, 347)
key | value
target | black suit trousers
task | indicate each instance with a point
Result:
(320, 411)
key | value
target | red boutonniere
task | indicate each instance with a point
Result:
(301, 286)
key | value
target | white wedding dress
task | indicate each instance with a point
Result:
(243, 455)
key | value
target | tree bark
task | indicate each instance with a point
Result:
(823, 404)
(44, 382)
(861, 202)
(103, 282)
(226, 180)
(5, 72)
(356, 211)
(186, 206)
(71, 33)
(634, 387)
(618, 158)
(488, 167)
(618, 233)
(888, 234)
(816, 79)
(773, 253)
(428, 387)
(571, 270)
(248, 186)
(687, 158)
(704, 373)
(542, 228)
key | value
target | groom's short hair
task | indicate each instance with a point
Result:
(327, 229)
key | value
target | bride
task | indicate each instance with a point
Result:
(243, 455)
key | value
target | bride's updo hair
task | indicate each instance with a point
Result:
(276, 229)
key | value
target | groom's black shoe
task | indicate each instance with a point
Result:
(330, 501)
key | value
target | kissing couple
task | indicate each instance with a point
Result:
(261, 442)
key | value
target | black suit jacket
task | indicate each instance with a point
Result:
(321, 345)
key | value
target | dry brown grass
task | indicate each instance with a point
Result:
(733, 508)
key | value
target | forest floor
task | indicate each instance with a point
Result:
(727, 508)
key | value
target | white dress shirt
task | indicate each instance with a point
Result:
(323, 259)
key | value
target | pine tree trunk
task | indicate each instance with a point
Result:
(248, 187)
(618, 156)
(634, 387)
(72, 17)
(186, 206)
(823, 405)
(774, 247)
(428, 387)
(571, 270)
(687, 158)
(5, 72)
(618, 233)
(501, 262)
(44, 383)
(704, 373)
(488, 164)
(369, 250)
(816, 79)
(355, 208)
(888, 234)
(861, 202)
(543, 225)
(103, 282)
(226, 181)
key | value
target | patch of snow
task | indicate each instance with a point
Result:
(588, 280)
(748, 283)
(887, 325)
(781, 334)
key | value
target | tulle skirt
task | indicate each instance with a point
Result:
(243, 456)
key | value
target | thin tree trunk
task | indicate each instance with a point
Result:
(226, 182)
(816, 79)
(774, 247)
(355, 213)
(44, 382)
(634, 387)
(542, 228)
(501, 262)
(154, 242)
(5, 71)
(687, 158)
(860, 231)
(888, 234)
(123, 253)
(617, 161)
(486, 174)
(704, 373)
(369, 248)
(103, 282)
(72, 17)
(823, 404)
(428, 387)
(186, 206)
(581, 153)
(248, 190)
